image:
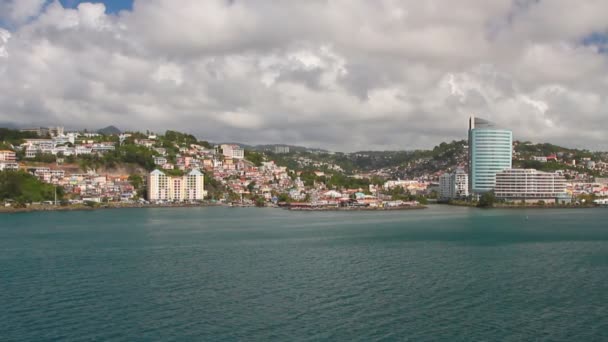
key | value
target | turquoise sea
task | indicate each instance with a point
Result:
(248, 274)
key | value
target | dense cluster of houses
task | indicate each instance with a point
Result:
(241, 178)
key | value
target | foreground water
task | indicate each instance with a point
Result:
(224, 274)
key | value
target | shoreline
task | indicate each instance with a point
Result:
(519, 206)
(357, 209)
(80, 207)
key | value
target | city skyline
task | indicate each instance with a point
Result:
(259, 72)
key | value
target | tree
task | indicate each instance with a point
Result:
(487, 200)
(283, 198)
(23, 187)
(254, 157)
(136, 180)
(259, 201)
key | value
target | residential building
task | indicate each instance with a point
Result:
(162, 188)
(7, 156)
(160, 160)
(195, 189)
(158, 186)
(56, 131)
(44, 131)
(281, 149)
(531, 186)
(102, 148)
(9, 166)
(454, 185)
(233, 151)
(490, 152)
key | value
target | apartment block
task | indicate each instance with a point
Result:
(163, 188)
(454, 185)
(233, 151)
(7, 156)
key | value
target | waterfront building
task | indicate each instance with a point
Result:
(163, 188)
(158, 186)
(490, 152)
(530, 185)
(194, 190)
(233, 151)
(454, 185)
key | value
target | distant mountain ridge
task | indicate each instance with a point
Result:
(110, 130)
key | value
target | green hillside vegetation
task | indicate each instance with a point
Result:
(527, 148)
(23, 187)
(14, 137)
(130, 153)
(255, 157)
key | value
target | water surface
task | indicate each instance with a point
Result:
(225, 274)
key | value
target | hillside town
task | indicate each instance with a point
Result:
(174, 168)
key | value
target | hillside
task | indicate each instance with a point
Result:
(110, 130)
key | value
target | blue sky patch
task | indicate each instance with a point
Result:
(112, 6)
(598, 39)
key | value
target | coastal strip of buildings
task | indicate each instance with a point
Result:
(490, 152)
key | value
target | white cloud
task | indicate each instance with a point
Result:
(342, 74)
(19, 11)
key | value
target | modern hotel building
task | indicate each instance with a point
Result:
(490, 152)
(530, 185)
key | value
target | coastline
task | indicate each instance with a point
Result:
(519, 206)
(82, 207)
(358, 209)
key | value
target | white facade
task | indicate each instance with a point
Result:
(158, 186)
(163, 188)
(454, 185)
(12, 166)
(195, 190)
(530, 185)
(233, 151)
(281, 149)
(7, 156)
(160, 160)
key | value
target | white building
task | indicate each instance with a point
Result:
(7, 156)
(160, 160)
(9, 166)
(531, 186)
(195, 189)
(103, 148)
(233, 151)
(158, 186)
(281, 149)
(162, 188)
(82, 149)
(454, 185)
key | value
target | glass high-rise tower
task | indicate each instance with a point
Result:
(490, 152)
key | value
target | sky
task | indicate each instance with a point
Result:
(344, 75)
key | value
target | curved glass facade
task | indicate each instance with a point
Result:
(490, 152)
